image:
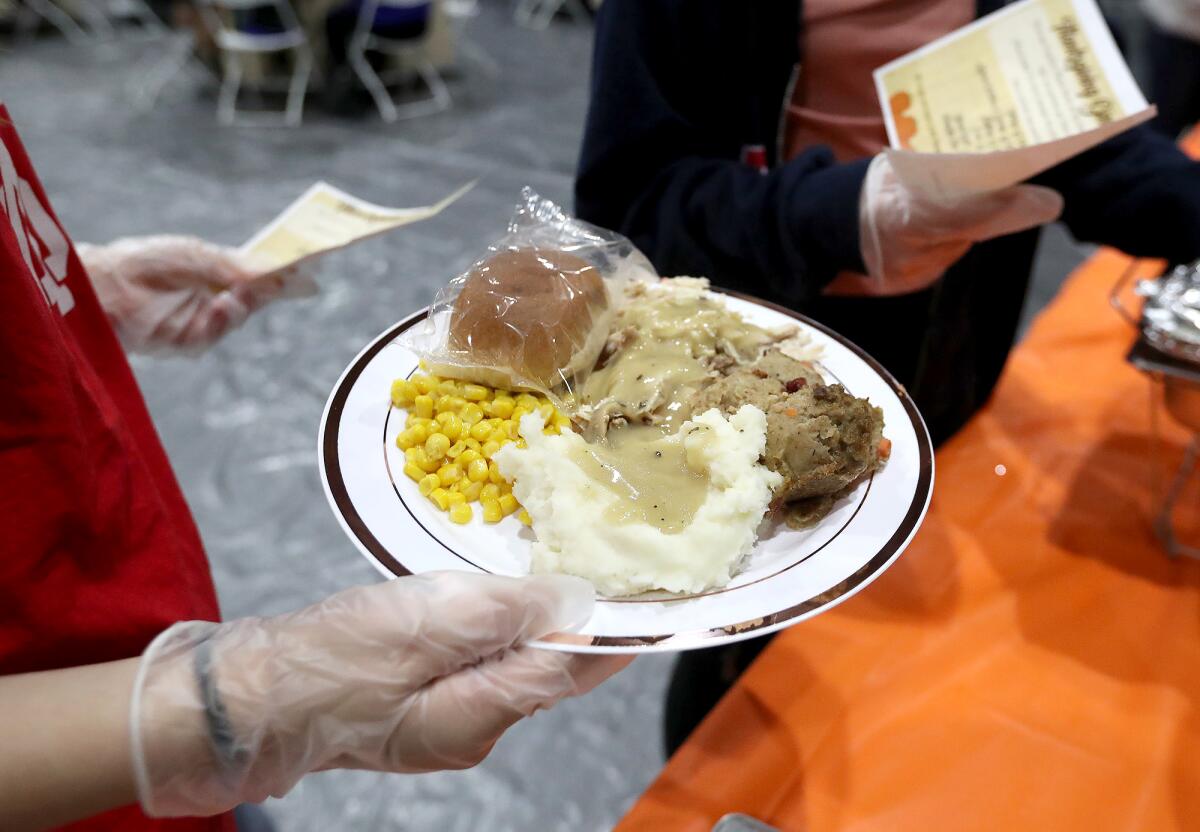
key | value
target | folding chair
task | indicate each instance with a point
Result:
(241, 38)
(537, 14)
(398, 28)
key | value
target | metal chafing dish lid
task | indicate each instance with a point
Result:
(1171, 315)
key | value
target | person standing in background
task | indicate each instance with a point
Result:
(742, 142)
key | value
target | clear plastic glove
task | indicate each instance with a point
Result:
(908, 241)
(413, 675)
(179, 292)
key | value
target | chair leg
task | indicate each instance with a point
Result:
(438, 91)
(438, 98)
(146, 90)
(147, 17)
(60, 20)
(97, 19)
(475, 54)
(546, 11)
(524, 11)
(298, 86)
(366, 74)
(231, 82)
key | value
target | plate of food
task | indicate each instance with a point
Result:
(717, 466)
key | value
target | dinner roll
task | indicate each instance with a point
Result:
(529, 317)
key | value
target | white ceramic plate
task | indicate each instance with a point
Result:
(790, 575)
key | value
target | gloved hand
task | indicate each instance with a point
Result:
(416, 674)
(179, 292)
(909, 240)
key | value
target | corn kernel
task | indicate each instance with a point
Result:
(442, 404)
(404, 440)
(490, 448)
(471, 414)
(519, 411)
(455, 450)
(505, 487)
(471, 490)
(456, 497)
(420, 433)
(414, 472)
(477, 471)
(502, 408)
(449, 474)
(547, 411)
(495, 476)
(552, 430)
(524, 517)
(530, 403)
(423, 406)
(403, 392)
(562, 421)
(474, 393)
(442, 416)
(437, 445)
(447, 387)
(457, 403)
(468, 456)
(492, 512)
(440, 498)
(424, 385)
(481, 431)
(473, 443)
(460, 513)
(522, 444)
(499, 435)
(508, 504)
(491, 491)
(453, 426)
(428, 483)
(513, 432)
(411, 455)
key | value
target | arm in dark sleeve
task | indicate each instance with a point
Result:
(1137, 192)
(678, 88)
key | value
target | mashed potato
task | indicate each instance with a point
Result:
(573, 517)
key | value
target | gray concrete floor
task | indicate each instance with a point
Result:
(240, 422)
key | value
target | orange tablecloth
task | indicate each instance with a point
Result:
(1031, 662)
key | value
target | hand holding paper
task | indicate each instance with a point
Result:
(909, 238)
(175, 292)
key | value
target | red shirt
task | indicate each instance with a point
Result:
(98, 552)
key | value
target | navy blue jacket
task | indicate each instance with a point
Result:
(680, 87)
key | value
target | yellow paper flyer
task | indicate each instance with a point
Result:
(325, 218)
(1015, 92)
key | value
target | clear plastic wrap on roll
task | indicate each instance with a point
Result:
(536, 312)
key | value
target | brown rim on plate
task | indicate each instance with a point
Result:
(331, 470)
